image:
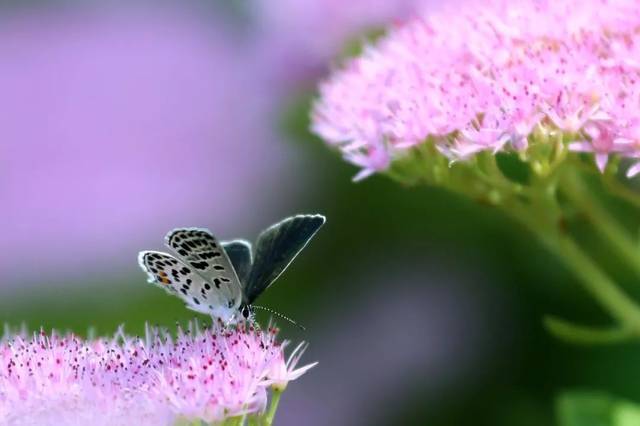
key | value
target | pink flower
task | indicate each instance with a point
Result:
(281, 373)
(483, 78)
(209, 375)
(602, 142)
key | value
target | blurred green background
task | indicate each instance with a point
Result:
(421, 307)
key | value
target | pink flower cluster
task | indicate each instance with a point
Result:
(201, 374)
(484, 76)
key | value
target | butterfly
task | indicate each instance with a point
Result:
(224, 279)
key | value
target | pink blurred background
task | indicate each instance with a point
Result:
(118, 123)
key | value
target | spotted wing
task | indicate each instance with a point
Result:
(239, 252)
(200, 250)
(276, 248)
(179, 279)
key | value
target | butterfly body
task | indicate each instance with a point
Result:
(224, 279)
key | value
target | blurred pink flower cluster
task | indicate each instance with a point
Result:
(484, 77)
(209, 375)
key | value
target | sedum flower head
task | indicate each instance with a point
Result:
(493, 76)
(209, 375)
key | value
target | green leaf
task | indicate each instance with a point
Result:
(585, 409)
(626, 414)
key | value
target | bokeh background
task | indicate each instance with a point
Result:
(122, 120)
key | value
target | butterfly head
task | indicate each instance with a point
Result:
(246, 312)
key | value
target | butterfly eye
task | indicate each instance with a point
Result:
(245, 312)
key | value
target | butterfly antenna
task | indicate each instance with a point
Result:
(278, 314)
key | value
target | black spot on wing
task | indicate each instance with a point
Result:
(209, 254)
(201, 266)
(197, 247)
(163, 268)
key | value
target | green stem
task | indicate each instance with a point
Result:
(541, 216)
(604, 290)
(253, 421)
(489, 172)
(273, 406)
(234, 421)
(580, 334)
(622, 191)
(603, 222)
(538, 208)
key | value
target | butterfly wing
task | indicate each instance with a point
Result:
(276, 248)
(200, 250)
(239, 252)
(179, 279)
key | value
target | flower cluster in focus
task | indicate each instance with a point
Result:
(209, 375)
(492, 76)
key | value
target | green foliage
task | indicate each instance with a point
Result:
(513, 168)
(583, 408)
